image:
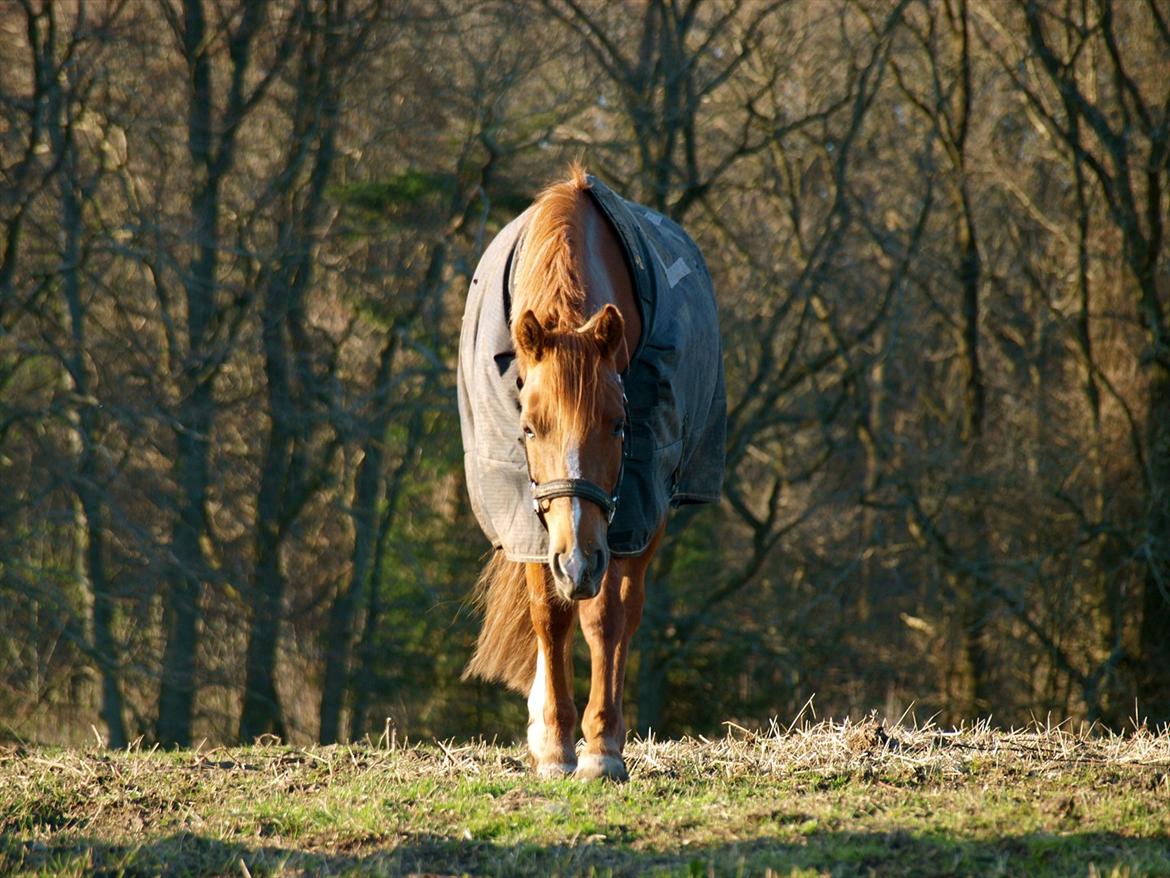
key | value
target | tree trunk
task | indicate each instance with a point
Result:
(1154, 688)
(369, 488)
(339, 634)
(366, 677)
(195, 411)
(261, 712)
(91, 523)
(176, 700)
(974, 602)
(653, 655)
(275, 508)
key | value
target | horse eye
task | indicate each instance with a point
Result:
(619, 429)
(529, 433)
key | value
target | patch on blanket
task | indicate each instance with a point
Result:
(677, 402)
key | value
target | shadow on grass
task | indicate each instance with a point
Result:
(819, 852)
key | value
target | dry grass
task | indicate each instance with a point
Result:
(783, 751)
(849, 798)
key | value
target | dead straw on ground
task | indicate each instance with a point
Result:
(868, 746)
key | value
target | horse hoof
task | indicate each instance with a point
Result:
(598, 766)
(554, 769)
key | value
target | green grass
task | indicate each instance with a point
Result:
(828, 799)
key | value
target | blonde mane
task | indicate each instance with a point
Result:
(549, 284)
(547, 280)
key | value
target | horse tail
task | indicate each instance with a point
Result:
(506, 649)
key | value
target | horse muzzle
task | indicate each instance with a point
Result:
(577, 575)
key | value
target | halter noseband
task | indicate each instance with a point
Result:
(583, 488)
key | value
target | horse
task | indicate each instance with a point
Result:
(577, 279)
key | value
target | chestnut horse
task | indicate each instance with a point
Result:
(575, 324)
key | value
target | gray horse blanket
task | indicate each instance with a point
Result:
(677, 403)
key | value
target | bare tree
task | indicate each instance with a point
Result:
(943, 93)
(214, 121)
(69, 50)
(294, 467)
(1092, 89)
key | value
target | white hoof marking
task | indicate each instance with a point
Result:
(555, 769)
(592, 766)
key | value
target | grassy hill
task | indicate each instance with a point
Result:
(824, 799)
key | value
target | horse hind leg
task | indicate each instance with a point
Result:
(552, 717)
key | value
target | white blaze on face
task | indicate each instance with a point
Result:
(573, 462)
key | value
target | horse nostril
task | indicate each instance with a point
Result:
(599, 562)
(571, 566)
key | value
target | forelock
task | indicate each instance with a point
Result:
(575, 383)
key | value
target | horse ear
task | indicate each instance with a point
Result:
(609, 330)
(530, 337)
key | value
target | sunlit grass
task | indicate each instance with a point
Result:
(815, 799)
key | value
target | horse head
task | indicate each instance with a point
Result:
(572, 410)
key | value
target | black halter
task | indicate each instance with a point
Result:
(608, 500)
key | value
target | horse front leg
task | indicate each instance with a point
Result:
(609, 622)
(552, 717)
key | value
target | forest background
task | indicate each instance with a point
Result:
(235, 239)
